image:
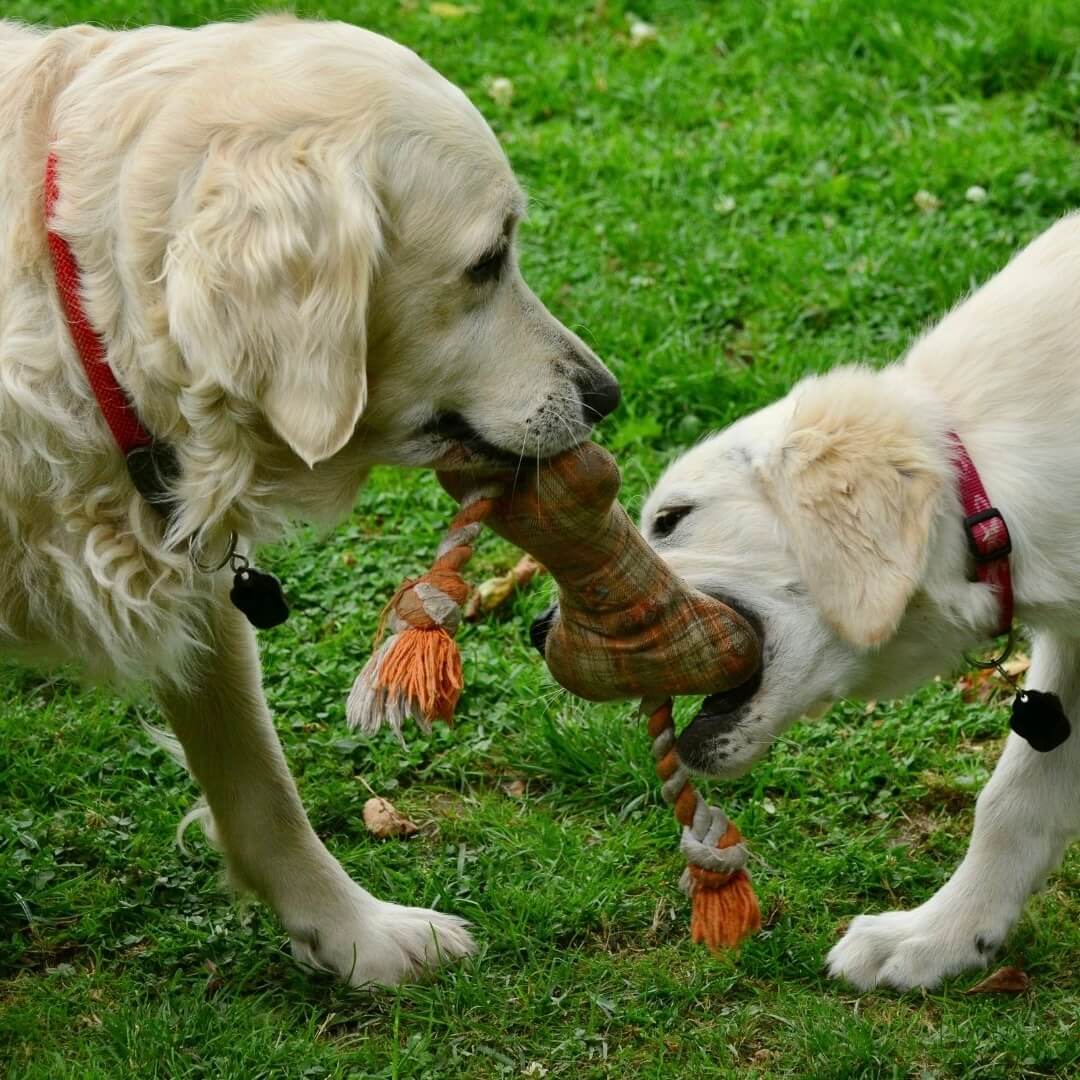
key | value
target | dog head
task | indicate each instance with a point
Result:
(824, 518)
(344, 268)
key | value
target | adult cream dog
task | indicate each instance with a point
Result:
(287, 249)
(844, 520)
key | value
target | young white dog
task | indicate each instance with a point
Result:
(833, 519)
(295, 249)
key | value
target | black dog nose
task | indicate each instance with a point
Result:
(541, 627)
(600, 398)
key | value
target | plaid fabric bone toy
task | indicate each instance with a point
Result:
(627, 627)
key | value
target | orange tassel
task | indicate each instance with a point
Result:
(724, 907)
(424, 666)
(417, 672)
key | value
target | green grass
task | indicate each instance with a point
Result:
(718, 213)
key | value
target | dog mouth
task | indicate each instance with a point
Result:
(468, 448)
(461, 446)
(721, 708)
(707, 743)
(719, 714)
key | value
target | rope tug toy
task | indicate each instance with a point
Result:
(626, 627)
(416, 672)
(724, 907)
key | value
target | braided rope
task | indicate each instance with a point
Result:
(416, 672)
(710, 842)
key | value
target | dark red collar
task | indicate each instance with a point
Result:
(986, 532)
(114, 403)
(150, 464)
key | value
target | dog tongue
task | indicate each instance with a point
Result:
(627, 626)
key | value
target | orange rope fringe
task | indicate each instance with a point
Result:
(724, 907)
(424, 666)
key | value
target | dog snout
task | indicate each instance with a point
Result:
(541, 627)
(600, 397)
(597, 388)
(710, 738)
(705, 743)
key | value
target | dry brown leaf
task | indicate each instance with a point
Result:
(980, 685)
(214, 981)
(382, 819)
(1006, 980)
(493, 593)
(770, 918)
(983, 684)
(1017, 665)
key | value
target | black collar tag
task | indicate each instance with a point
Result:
(1039, 717)
(258, 595)
(154, 471)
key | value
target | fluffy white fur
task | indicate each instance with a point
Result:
(276, 224)
(833, 517)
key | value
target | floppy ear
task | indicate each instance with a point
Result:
(856, 488)
(267, 285)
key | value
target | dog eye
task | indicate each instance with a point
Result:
(488, 268)
(664, 523)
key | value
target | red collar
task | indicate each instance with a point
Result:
(150, 464)
(114, 403)
(986, 531)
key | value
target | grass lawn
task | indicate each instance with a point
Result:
(717, 212)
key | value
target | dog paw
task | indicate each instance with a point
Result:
(906, 949)
(382, 944)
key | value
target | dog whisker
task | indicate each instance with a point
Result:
(521, 456)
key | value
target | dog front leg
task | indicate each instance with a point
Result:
(1024, 819)
(223, 723)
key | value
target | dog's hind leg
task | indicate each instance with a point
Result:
(223, 723)
(1024, 820)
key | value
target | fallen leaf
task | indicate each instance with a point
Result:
(214, 981)
(926, 201)
(382, 819)
(641, 33)
(1017, 665)
(1006, 980)
(493, 593)
(501, 90)
(772, 916)
(980, 685)
(451, 11)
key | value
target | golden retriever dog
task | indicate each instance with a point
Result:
(836, 519)
(296, 245)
